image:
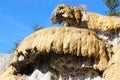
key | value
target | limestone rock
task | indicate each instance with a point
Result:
(74, 41)
(69, 53)
(107, 27)
(75, 16)
(70, 15)
(60, 50)
(113, 70)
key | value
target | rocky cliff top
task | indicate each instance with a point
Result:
(80, 49)
(69, 52)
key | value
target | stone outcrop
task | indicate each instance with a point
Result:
(70, 15)
(70, 52)
(74, 41)
(61, 50)
(76, 16)
(113, 70)
(106, 27)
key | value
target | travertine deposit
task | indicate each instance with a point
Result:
(69, 15)
(76, 16)
(70, 52)
(65, 51)
(106, 27)
(74, 41)
(113, 70)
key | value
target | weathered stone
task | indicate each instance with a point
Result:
(61, 50)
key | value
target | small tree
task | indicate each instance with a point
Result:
(37, 27)
(113, 7)
(16, 44)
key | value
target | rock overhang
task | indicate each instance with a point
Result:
(59, 48)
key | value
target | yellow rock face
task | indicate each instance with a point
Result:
(68, 40)
(113, 70)
(68, 48)
(57, 40)
(77, 16)
(9, 74)
(102, 23)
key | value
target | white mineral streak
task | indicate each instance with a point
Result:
(21, 58)
(38, 75)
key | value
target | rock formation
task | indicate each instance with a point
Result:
(106, 27)
(68, 53)
(70, 15)
(113, 70)
(75, 16)
(59, 49)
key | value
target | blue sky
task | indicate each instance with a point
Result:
(17, 17)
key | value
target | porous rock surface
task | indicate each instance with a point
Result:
(76, 16)
(113, 70)
(107, 27)
(74, 41)
(65, 51)
(69, 53)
